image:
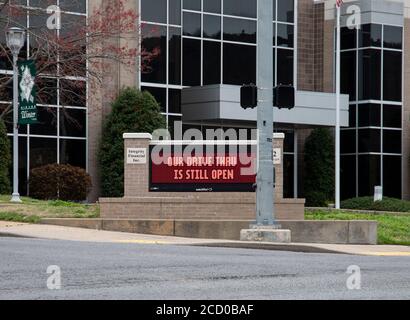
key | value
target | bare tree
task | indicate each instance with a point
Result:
(82, 49)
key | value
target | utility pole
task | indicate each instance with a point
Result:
(337, 144)
(265, 227)
(265, 215)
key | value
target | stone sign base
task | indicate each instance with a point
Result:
(218, 206)
(139, 203)
(266, 235)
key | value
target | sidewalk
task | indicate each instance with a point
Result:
(13, 229)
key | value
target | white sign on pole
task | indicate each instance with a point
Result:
(136, 156)
(277, 156)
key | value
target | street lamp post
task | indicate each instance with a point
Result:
(15, 38)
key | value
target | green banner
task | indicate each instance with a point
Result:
(27, 92)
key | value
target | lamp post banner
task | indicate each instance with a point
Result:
(27, 92)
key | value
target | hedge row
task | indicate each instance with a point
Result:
(367, 203)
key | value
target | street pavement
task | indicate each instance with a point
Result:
(76, 234)
(104, 270)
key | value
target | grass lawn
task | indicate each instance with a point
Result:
(392, 229)
(32, 210)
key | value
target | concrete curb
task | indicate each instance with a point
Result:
(325, 232)
(271, 247)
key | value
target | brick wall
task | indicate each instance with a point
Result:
(310, 45)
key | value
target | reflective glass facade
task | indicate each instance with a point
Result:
(61, 134)
(204, 42)
(372, 76)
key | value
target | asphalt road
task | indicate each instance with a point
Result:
(137, 271)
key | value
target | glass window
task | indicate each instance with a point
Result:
(285, 66)
(392, 81)
(40, 3)
(370, 35)
(285, 36)
(6, 87)
(348, 141)
(192, 5)
(369, 74)
(43, 151)
(393, 37)
(192, 24)
(369, 115)
(274, 34)
(274, 65)
(72, 6)
(239, 30)
(155, 38)
(348, 38)
(239, 64)
(73, 60)
(348, 177)
(213, 6)
(174, 101)
(175, 12)
(392, 116)
(352, 116)
(392, 141)
(174, 56)
(192, 62)
(243, 8)
(289, 143)
(154, 10)
(73, 122)
(392, 176)
(348, 74)
(7, 116)
(369, 140)
(73, 93)
(288, 176)
(174, 125)
(160, 95)
(47, 122)
(212, 27)
(369, 174)
(212, 62)
(286, 10)
(47, 90)
(73, 152)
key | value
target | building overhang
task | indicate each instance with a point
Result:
(389, 12)
(221, 103)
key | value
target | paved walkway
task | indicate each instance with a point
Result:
(13, 229)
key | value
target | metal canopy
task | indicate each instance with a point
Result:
(217, 103)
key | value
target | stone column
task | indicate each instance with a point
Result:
(136, 166)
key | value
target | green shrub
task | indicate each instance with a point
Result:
(17, 217)
(319, 168)
(133, 112)
(59, 182)
(367, 203)
(5, 160)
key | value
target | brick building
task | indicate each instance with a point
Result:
(208, 49)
